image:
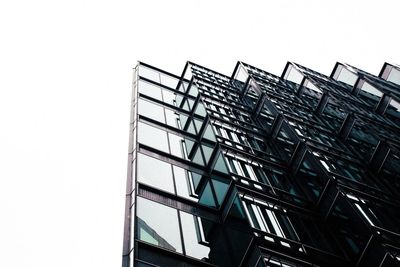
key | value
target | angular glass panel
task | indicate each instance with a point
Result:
(198, 158)
(209, 134)
(190, 103)
(191, 236)
(206, 197)
(220, 164)
(294, 75)
(149, 89)
(189, 145)
(153, 229)
(151, 110)
(394, 76)
(155, 173)
(196, 179)
(220, 188)
(152, 137)
(183, 119)
(178, 100)
(207, 152)
(198, 124)
(190, 128)
(346, 76)
(193, 90)
(200, 110)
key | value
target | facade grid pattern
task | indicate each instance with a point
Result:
(256, 169)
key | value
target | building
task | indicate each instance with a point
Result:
(254, 169)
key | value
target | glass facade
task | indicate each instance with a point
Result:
(255, 169)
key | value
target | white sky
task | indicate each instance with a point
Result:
(65, 83)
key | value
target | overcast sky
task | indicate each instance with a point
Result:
(65, 89)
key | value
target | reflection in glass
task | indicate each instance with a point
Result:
(153, 229)
(155, 173)
(192, 232)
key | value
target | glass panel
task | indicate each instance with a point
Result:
(193, 90)
(169, 81)
(198, 157)
(200, 110)
(169, 97)
(220, 164)
(149, 73)
(176, 145)
(149, 89)
(189, 145)
(153, 229)
(206, 197)
(151, 110)
(196, 179)
(191, 236)
(207, 152)
(152, 137)
(220, 188)
(294, 75)
(172, 118)
(209, 134)
(155, 173)
(198, 124)
(394, 76)
(182, 183)
(347, 76)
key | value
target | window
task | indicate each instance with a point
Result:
(268, 218)
(149, 73)
(155, 173)
(363, 209)
(150, 89)
(155, 231)
(193, 236)
(153, 137)
(151, 110)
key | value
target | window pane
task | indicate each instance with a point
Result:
(206, 197)
(209, 134)
(191, 236)
(220, 188)
(149, 89)
(151, 110)
(200, 110)
(152, 137)
(149, 73)
(155, 173)
(151, 218)
(182, 183)
(169, 97)
(171, 117)
(176, 145)
(169, 81)
(220, 164)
